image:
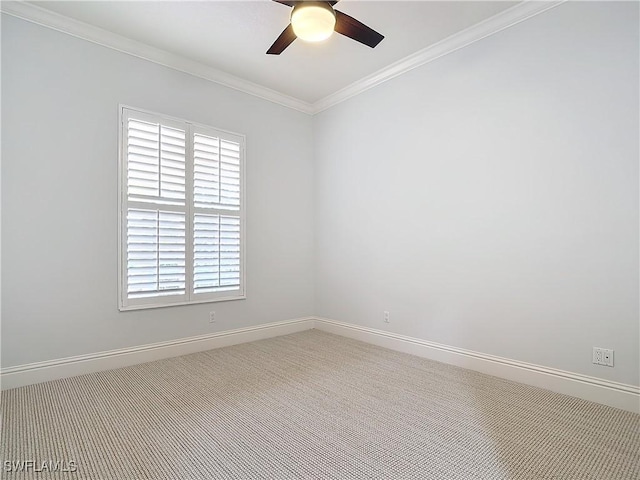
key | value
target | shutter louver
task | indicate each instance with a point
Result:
(230, 174)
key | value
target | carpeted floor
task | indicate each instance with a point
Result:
(310, 405)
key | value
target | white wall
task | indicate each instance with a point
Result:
(489, 199)
(60, 99)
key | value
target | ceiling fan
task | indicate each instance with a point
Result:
(316, 21)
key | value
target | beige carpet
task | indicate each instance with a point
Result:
(311, 405)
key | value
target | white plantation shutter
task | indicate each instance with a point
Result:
(216, 225)
(181, 212)
(216, 253)
(155, 253)
(156, 162)
(216, 172)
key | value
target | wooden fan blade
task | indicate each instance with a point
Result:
(288, 3)
(283, 41)
(352, 28)
(292, 3)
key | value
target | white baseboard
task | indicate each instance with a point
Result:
(619, 395)
(31, 373)
(610, 393)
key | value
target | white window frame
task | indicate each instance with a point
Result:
(188, 298)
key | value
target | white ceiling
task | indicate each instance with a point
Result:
(233, 36)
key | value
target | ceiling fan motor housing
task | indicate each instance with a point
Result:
(313, 21)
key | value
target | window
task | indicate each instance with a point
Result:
(181, 212)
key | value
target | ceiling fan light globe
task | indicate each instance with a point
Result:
(313, 22)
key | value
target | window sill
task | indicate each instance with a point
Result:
(180, 304)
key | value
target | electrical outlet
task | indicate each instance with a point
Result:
(597, 356)
(212, 317)
(386, 317)
(603, 356)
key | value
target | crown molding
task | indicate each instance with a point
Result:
(491, 25)
(55, 21)
(494, 24)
